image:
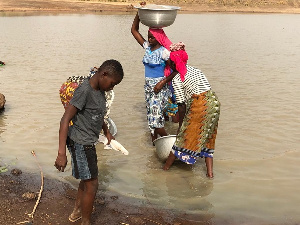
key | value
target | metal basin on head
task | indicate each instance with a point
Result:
(157, 16)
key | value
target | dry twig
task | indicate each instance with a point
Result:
(30, 221)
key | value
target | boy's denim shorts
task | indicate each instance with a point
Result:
(84, 160)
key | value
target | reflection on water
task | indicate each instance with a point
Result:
(181, 189)
(252, 63)
(188, 191)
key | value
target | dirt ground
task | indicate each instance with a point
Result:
(188, 6)
(57, 200)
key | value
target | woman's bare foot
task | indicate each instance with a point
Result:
(210, 176)
(166, 167)
(169, 161)
(209, 167)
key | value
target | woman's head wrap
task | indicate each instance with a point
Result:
(176, 47)
(161, 37)
(179, 56)
(163, 40)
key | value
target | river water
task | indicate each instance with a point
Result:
(251, 62)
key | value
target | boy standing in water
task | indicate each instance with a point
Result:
(86, 110)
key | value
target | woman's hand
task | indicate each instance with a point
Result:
(159, 86)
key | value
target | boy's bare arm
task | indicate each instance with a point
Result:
(61, 160)
(107, 133)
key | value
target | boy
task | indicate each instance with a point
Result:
(86, 110)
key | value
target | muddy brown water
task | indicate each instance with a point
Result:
(250, 60)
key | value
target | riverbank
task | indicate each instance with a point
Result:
(57, 201)
(125, 6)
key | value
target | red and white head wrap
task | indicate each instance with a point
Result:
(179, 56)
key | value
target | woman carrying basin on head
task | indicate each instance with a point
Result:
(154, 60)
(199, 111)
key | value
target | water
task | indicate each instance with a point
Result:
(252, 63)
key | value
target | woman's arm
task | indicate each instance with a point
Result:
(181, 111)
(162, 83)
(135, 30)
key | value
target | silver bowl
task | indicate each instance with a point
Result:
(164, 145)
(157, 16)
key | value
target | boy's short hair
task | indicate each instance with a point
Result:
(113, 67)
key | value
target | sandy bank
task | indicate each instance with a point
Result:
(125, 6)
(57, 201)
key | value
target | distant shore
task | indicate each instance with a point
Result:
(125, 6)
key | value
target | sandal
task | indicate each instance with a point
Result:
(73, 220)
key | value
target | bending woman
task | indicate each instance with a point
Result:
(199, 111)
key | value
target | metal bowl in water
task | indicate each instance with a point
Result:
(164, 146)
(157, 16)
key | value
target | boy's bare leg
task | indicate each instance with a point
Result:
(169, 161)
(209, 167)
(87, 201)
(77, 208)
